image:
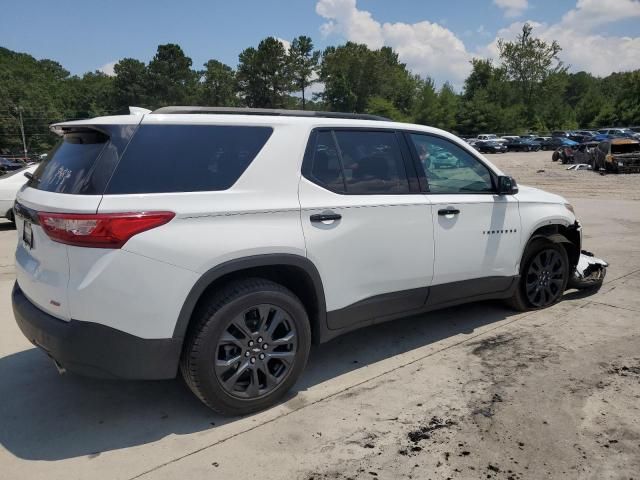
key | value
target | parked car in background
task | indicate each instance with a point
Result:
(491, 137)
(522, 145)
(620, 132)
(10, 183)
(560, 133)
(490, 146)
(618, 155)
(9, 164)
(554, 143)
(487, 136)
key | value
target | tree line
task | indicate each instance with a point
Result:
(527, 89)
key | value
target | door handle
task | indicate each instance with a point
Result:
(448, 211)
(324, 217)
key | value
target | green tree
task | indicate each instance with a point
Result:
(304, 63)
(426, 108)
(171, 81)
(529, 61)
(219, 86)
(482, 72)
(353, 74)
(264, 75)
(130, 84)
(447, 108)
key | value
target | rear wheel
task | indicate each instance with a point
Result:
(249, 345)
(544, 273)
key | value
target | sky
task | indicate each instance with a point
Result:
(433, 37)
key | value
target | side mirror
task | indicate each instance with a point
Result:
(507, 185)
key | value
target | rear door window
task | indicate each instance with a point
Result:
(372, 162)
(186, 158)
(326, 169)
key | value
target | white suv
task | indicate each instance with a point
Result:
(224, 242)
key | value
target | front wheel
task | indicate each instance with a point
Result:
(249, 344)
(544, 273)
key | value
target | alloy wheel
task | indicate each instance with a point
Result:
(256, 351)
(545, 278)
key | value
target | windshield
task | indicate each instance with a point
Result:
(625, 148)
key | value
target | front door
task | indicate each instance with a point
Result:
(476, 232)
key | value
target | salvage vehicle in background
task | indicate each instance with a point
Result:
(617, 155)
(583, 153)
(565, 154)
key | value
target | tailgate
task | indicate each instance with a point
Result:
(71, 180)
(42, 265)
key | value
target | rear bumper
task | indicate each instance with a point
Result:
(96, 350)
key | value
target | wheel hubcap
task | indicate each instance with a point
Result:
(545, 278)
(256, 352)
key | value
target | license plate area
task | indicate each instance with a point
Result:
(27, 234)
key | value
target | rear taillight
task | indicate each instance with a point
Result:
(102, 230)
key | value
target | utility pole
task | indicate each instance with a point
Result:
(24, 142)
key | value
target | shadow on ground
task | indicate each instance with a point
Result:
(44, 416)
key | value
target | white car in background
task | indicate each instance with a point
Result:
(10, 183)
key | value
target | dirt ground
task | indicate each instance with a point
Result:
(472, 392)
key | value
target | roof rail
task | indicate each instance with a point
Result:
(268, 111)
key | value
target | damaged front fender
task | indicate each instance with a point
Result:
(589, 273)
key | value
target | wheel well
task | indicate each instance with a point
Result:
(568, 237)
(292, 277)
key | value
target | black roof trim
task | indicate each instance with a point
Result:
(269, 111)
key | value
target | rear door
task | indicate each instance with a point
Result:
(366, 225)
(71, 179)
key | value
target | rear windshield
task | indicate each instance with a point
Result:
(625, 148)
(66, 168)
(186, 158)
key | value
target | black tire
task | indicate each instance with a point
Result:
(555, 156)
(208, 338)
(521, 299)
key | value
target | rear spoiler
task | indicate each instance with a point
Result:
(134, 118)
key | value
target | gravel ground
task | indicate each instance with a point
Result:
(526, 168)
(472, 392)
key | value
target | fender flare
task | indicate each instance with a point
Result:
(556, 237)
(266, 260)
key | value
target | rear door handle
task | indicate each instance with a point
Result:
(324, 217)
(448, 211)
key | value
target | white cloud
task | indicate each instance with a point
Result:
(285, 43)
(512, 8)
(427, 48)
(584, 47)
(431, 49)
(107, 68)
(591, 13)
